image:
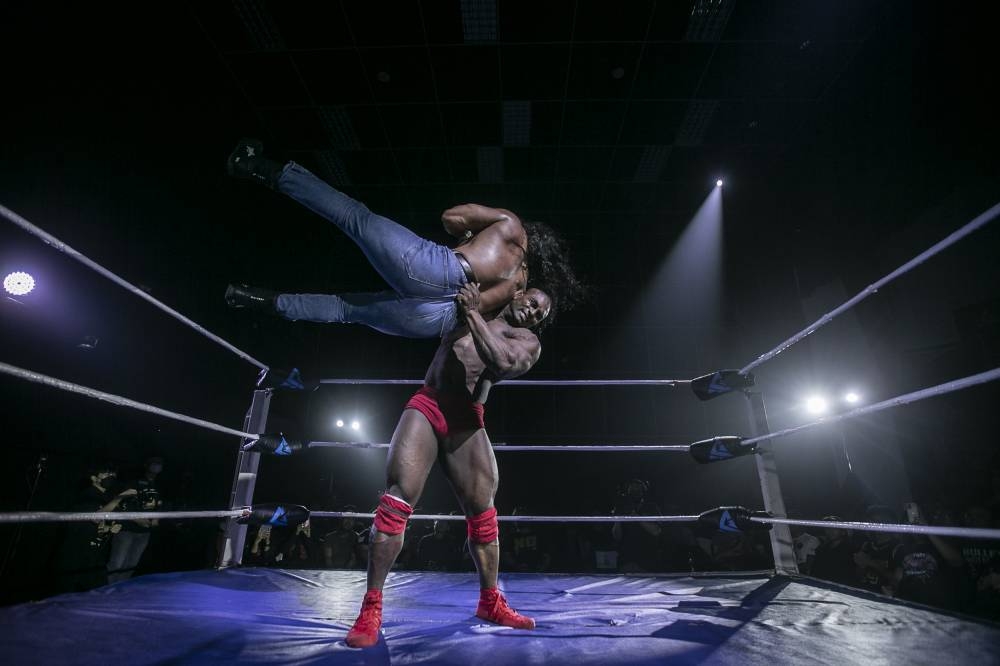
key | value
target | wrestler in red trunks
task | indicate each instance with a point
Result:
(444, 421)
(447, 412)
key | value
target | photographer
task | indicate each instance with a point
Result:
(638, 543)
(130, 543)
(925, 569)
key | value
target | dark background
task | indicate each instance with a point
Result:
(852, 135)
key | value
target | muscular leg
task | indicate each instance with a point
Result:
(411, 453)
(471, 468)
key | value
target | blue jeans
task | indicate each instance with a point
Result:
(424, 276)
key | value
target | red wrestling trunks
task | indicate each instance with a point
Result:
(448, 413)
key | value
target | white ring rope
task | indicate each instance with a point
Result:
(498, 447)
(66, 517)
(527, 382)
(521, 519)
(39, 378)
(976, 224)
(937, 530)
(940, 530)
(83, 259)
(115, 516)
(940, 389)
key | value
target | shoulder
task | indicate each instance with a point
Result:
(514, 333)
(510, 225)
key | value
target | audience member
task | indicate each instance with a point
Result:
(872, 557)
(638, 543)
(440, 550)
(81, 561)
(982, 561)
(340, 545)
(297, 550)
(128, 545)
(925, 569)
(523, 549)
(834, 557)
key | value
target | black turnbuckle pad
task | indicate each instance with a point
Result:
(720, 382)
(720, 448)
(278, 515)
(275, 444)
(278, 378)
(734, 520)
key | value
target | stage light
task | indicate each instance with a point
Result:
(852, 397)
(340, 423)
(816, 404)
(355, 425)
(18, 283)
(718, 183)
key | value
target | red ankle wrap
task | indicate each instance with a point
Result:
(483, 528)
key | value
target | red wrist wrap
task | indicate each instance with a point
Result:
(391, 515)
(483, 528)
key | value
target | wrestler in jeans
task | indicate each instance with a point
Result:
(424, 276)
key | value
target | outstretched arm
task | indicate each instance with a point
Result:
(508, 354)
(469, 219)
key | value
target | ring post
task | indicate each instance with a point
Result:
(244, 481)
(770, 486)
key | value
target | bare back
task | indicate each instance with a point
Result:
(497, 257)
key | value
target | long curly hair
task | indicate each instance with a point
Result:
(550, 270)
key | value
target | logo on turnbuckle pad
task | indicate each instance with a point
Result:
(727, 524)
(719, 452)
(280, 517)
(717, 385)
(293, 380)
(283, 449)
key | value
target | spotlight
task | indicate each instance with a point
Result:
(18, 283)
(816, 404)
(718, 183)
(355, 425)
(340, 423)
(852, 397)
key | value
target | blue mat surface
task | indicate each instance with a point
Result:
(301, 617)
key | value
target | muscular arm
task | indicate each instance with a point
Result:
(472, 218)
(507, 354)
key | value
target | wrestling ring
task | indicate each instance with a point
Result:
(271, 615)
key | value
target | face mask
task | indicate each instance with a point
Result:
(156, 468)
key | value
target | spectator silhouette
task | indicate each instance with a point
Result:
(128, 545)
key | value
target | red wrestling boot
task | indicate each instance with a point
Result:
(364, 633)
(493, 608)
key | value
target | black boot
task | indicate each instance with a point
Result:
(240, 296)
(247, 161)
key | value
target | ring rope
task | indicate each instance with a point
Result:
(980, 221)
(940, 389)
(39, 378)
(940, 530)
(528, 382)
(499, 446)
(521, 519)
(83, 259)
(937, 530)
(67, 517)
